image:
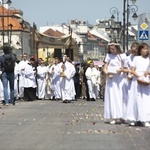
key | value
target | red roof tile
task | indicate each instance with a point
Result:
(10, 19)
(51, 32)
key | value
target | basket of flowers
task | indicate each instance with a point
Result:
(144, 81)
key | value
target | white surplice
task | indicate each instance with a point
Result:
(29, 77)
(16, 78)
(55, 79)
(92, 81)
(22, 65)
(41, 81)
(67, 83)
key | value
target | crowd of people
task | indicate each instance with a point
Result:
(127, 89)
(64, 80)
(127, 82)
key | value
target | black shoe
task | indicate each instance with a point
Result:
(93, 99)
(3, 102)
(65, 101)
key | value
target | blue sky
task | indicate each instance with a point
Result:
(47, 12)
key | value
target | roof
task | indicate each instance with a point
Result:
(54, 33)
(91, 36)
(100, 33)
(12, 20)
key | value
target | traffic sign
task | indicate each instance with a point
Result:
(143, 35)
(144, 26)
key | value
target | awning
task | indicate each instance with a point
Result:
(65, 40)
(98, 63)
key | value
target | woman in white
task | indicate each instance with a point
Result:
(141, 97)
(41, 80)
(113, 102)
(92, 81)
(128, 80)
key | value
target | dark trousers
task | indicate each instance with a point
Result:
(29, 94)
(78, 90)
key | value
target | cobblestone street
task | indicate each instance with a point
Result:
(53, 125)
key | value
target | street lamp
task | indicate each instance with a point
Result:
(114, 27)
(3, 16)
(131, 9)
(10, 33)
(114, 11)
(127, 9)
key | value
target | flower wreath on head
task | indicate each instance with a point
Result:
(112, 43)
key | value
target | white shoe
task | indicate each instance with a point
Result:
(113, 122)
(6, 104)
(146, 124)
(132, 124)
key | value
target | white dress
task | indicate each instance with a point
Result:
(139, 95)
(113, 102)
(128, 63)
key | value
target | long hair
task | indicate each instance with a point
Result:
(116, 45)
(141, 46)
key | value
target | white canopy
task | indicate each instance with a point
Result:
(62, 41)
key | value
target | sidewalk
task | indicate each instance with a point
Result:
(53, 125)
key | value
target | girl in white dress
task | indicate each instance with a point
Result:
(113, 102)
(141, 96)
(127, 70)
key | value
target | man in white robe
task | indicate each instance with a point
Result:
(30, 81)
(22, 65)
(66, 81)
(41, 80)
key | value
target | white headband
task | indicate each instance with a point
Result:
(113, 44)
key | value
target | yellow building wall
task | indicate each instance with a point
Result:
(45, 52)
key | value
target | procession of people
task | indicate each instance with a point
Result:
(127, 82)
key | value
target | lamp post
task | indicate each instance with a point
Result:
(3, 16)
(131, 9)
(114, 27)
(127, 9)
(10, 33)
(114, 11)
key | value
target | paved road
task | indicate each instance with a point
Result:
(51, 125)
